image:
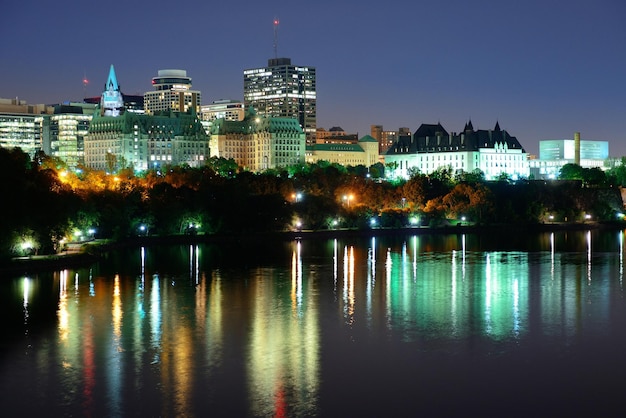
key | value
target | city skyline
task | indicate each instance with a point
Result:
(541, 71)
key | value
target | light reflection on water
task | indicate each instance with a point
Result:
(163, 334)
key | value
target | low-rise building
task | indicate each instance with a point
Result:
(363, 152)
(258, 143)
(431, 148)
(555, 153)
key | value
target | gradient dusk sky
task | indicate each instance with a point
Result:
(543, 69)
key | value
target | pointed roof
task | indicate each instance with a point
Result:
(111, 84)
(497, 128)
(368, 138)
(469, 126)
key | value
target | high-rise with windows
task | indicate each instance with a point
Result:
(283, 90)
(172, 91)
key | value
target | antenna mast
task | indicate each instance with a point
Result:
(85, 82)
(276, 22)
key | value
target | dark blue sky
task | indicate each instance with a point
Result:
(543, 69)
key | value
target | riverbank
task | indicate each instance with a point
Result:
(88, 252)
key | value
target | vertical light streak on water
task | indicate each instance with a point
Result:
(345, 282)
(406, 282)
(415, 258)
(92, 288)
(589, 256)
(76, 284)
(296, 280)
(191, 263)
(143, 267)
(488, 327)
(335, 265)
(348, 288)
(463, 259)
(197, 266)
(621, 257)
(215, 320)
(552, 255)
(388, 270)
(453, 294)
(63, 313)
(155, 318)
(516, 314)
(25, 304)
(138, 341)
(299, 274)
(371, 274)
(115, 366)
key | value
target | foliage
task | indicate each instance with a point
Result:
(45, 202)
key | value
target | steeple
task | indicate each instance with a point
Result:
(469, 126)
(497, 128)
(111, 101)
(111, 84)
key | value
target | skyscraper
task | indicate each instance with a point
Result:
(172, 91)
(283, 90)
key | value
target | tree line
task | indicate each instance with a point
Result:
(46, 205)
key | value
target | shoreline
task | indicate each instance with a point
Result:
(91, 251)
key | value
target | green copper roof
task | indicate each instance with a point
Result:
(367, 138)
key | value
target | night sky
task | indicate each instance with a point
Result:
(543, 69)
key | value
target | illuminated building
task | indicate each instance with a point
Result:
(223, 109)
(23, 126)
(555, 153)
(386, 138)
(259, 142)
(172, 92)
(119, 139)
(285, 91)
(68, 128)
(363, 152)
(431, 148)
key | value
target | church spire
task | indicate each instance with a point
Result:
(111, 101)
(111, 84)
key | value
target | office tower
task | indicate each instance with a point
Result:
(69, 125)
(172, 92)
(283, 90)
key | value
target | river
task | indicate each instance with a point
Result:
(405, 325)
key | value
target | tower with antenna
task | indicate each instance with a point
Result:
(276, 22)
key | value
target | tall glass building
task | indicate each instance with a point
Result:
(283, 90)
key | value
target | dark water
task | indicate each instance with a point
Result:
(442, 325)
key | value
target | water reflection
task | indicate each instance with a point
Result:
(283, 359)
(168, 337)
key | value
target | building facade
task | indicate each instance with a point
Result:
(431, 148)
(555, 153)
(283, 90)
(362, 152)
(223, 109)
(259, 142)
(68, 128)
(24, 126)
(119, 139)
(172, 92)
